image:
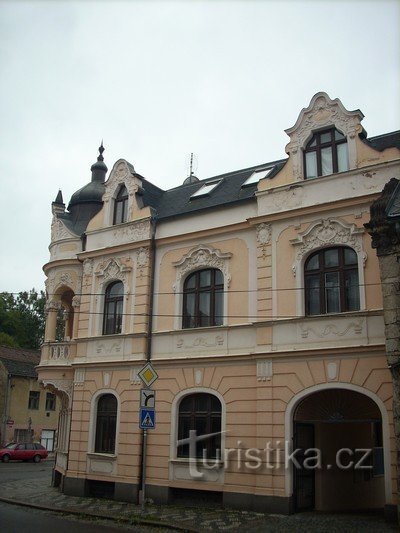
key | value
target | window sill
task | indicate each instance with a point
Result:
(185, 461)
(102, 456)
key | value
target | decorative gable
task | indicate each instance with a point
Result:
(122, 173)
(322, 113)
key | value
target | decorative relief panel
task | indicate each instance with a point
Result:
(58, 279)
(264, 232)
(115, 268)
(198, 377)
(79, 377)
(200, 342)
(264, 370)
(59, 231)
(200, 257)
(136, 231)
(142, 259)
(332, 330)
(109, 347)
(88, 267)
(107, 379)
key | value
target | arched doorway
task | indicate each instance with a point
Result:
(345, 429)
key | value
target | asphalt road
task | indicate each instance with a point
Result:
(18, 470)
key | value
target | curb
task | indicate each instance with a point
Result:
(104, 516)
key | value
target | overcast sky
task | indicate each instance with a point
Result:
(158, 80)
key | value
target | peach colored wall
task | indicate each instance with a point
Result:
(255, 414)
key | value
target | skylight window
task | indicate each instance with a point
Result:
(257, 176)
(206, 189)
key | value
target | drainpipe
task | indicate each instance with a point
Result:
(151, 288)
(6, 406)
(142, 479)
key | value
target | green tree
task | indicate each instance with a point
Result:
(22, 319)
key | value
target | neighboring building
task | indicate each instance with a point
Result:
(384, 228)
(257, 297)
(28, 412)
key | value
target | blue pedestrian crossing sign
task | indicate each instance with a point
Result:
(147, 419)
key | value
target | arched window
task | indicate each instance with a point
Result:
(113, 306)
(121, 206)
(331, 281)
(326, 153)
(106, 423)
(200, 412)
(203, 299)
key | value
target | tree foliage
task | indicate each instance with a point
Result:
(22, 319)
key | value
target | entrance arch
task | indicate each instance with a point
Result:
(329, 417)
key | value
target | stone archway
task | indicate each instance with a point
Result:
(339, 419)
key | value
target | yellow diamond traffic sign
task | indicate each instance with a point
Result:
(148, 375)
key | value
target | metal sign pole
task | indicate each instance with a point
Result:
(144, 469)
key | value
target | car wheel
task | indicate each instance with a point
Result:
(36, 459)
(5, 458)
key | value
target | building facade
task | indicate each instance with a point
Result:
(28, 412)
(257, 298)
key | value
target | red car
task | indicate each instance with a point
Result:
(20, 451)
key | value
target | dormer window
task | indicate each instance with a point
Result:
(206, 189)
(257, 176)
(121, 206)
(326, 153)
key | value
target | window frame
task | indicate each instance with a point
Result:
(110, 308)
(342, 269)
(214, 290)
(104, 420)
(51, 401)
(333, 144)
(206, 189)
(121, 200)
(258, 175)
(195, 417)
(34, 400)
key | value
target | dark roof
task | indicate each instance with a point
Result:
(19, 361)
(89, 193)
(387, 140)
(178, 201)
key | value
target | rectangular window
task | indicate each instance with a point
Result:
(50, 401)
(34, 397)
(311, 164)
(332, 292)
(351, 290)
(326, 161)
(23, 435)
(257, 176)
(206, 189)
(313, 295)
(343, 157)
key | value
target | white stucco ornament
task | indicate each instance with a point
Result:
(115, 268)
(202, 256)
(59, 231)
(326, 233)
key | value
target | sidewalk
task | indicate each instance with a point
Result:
(180, 518)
